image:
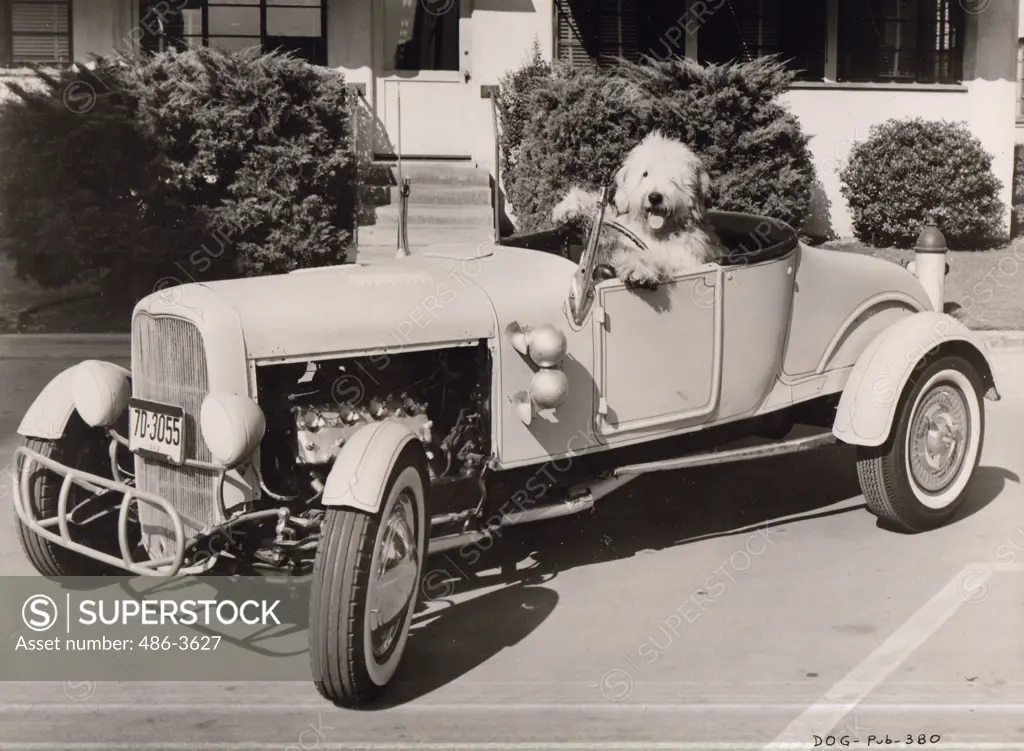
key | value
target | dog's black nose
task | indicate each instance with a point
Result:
(654, 198)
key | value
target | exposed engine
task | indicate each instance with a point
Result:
(314, 408)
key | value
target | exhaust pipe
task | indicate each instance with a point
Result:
(568, 507)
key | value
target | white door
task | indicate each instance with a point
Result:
(660, 353)
(422, 91)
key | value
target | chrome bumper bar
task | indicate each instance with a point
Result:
(167, 566)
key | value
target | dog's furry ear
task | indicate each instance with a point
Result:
(619, 192)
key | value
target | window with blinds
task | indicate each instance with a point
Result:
(297, 27)
(916, 41)
(597, 32)
(796, 30)
(35, 31)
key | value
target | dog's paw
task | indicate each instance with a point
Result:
(641, 284)
(562, 213)
(567, 210)
(640, 278)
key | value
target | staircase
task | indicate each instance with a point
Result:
(449, 202)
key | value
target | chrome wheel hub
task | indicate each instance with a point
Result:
(394, 581)
(938, 438)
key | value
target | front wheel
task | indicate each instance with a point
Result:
(917, 480)
(83, 448)
(365, 580)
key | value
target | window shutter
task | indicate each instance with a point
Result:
(5, 33)
(598, 32)
(40, 32)
(618, 30)
(572, 33)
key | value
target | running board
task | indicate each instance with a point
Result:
(779, 448)
(582, 497)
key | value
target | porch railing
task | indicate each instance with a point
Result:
(356, 102)
(491, 92)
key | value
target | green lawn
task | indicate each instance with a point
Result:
(984, 288)
(58, 309)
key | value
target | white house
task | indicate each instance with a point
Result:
(861, 61)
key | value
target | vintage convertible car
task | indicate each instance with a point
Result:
(353, 419)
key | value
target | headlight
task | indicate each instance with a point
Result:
(547, 346)
(100, 392)
(232, 426)
(549, 388)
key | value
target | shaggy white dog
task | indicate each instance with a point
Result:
(660, 194)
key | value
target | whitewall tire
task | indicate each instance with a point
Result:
(365, 582)
(918, 479)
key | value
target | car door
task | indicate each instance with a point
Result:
(659, 353)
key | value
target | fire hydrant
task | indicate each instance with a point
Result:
(929, 264)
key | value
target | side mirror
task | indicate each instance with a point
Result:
(603, 272)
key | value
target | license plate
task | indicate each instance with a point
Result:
(156, 431)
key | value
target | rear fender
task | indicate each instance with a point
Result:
(357, 479)
(48, 416)
(868, 404)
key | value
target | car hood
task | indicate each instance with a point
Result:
(422, 300)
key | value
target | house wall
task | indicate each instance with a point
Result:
(98, 27)
(836, 118)
(1020, 36)
(497, 34)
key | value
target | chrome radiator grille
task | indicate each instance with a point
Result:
(169, 366)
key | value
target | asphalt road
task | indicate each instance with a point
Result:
(731, 607)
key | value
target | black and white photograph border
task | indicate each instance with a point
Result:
(537, 374)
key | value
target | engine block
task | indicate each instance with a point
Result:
(322, 430)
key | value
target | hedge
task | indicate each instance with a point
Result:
(194, 164)
(909, 169)
(583, 121)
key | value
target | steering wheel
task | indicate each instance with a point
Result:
(604, 271)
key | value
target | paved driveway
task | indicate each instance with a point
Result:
(726, 607)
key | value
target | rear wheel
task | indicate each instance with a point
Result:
(365, 581)
(84, 448)
(918, 479)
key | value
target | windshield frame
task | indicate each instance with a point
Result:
(581, 291)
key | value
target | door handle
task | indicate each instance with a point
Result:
(466, 76)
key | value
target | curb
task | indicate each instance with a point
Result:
(1003, 341)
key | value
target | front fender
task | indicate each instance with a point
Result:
(868, 404)
(364, 464)
(48, 416)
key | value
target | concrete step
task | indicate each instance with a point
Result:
(444, 195)
(420, 215)
(380, 237)
(427, 173)
(427, 195)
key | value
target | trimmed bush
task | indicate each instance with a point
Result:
(220, 164)
(908, 169)
(584, 121)
(514, 91)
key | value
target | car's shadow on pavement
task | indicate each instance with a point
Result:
(655, 512)
(453, 638)
(986, 485)
(665, 510)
